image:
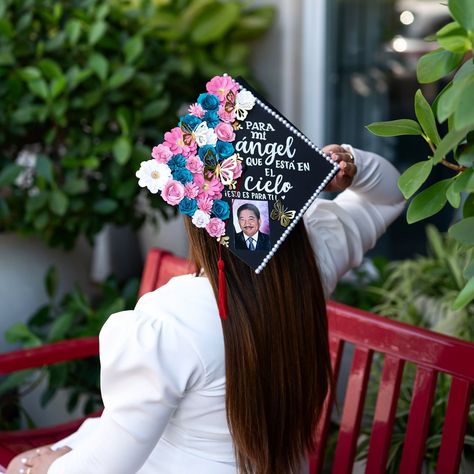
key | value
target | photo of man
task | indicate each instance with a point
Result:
(251, 237)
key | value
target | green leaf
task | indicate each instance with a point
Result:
(454, 198)
(412, 178)
(60, 327)
(20, 332)
(58, 202)
(133, 48)
(105, 206)
(44, 168)
(468, 207)
(213, 22)
(156, 108)
(39, 88)
(51, 281)
(464, 181)
(425, 117)
(41, 221)
(453, 37)
(449, 101)
(428, 202)
(463, 12)
(464, 112)
(73, 30)
(50, 68)
(469, 270)
(463, 231)
(122, 150)
(57, 86)
(254, 23)
(436, 64)
(15, 380)
(395, 128)
(121, 76)
(9, 174)
(99, 64)
(465, 296)
(466, 157)
(29, 73)
(97, 31)
(449, 141)
(124, 119)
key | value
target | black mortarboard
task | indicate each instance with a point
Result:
(283, 173)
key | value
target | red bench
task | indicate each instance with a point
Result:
(431, 352)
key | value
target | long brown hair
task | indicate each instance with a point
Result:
(277, 360)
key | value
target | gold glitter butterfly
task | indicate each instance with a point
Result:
(224, 240)
(229, 102)
(279, 212)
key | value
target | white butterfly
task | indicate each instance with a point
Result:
(226, 170)
(204, 135)
(244, 101)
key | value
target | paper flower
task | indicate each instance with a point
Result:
(211, 118)
(244, 102)
(225, 115)
(197, 110)
(176, 162)
(200, 219)
(209, 102)
(204, 135)
(221, 209)
(205, 203)
(225, 132)
(188, 206)
(161, 153)
(195, 164)
(221, 86)
(173, 192)
(191, 190)
(153, 175)
(216, 227)
(183, 175)
(225, 149)
(175, 142)
(208, 187)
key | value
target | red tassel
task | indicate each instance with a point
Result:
(222, 294)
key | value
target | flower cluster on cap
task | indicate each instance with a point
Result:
(197, 158)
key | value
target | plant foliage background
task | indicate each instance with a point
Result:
(454, 106)
(86, 89)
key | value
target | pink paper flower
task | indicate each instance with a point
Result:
(175, 142)
(211, 186)
(205, 204)
(194, 164)
(197, 110)
(228, 117)
(191, 190)
(161, 153)
(216, 227)
(225, 132)
(173, 192)
(221, 85)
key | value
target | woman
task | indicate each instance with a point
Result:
(183, 392)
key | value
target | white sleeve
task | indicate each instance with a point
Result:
(342, 230)
(147, 365)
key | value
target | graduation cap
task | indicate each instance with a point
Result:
(240, 170)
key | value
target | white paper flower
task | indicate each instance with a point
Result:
(204, 135)
(244, 101)
(153, 175)
(201, 218)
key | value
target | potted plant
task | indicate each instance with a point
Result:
(453, 109)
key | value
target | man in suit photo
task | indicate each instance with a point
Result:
(250, 237)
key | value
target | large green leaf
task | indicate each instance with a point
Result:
(412, 178)
(9, 174)
(121, 76)
(254, 23)
(436, 64)
(61, 326)
(105, 206)
(133, 48)
(97, 31)
(464, 112)
(50, 69)
(425, 117)
(39, 88)
(454, 38)
(428, 202)
(29, 73)
(463, 12)
(465, 296)
(450, 141)
(122, 150)
(450, 100)
(58, 202)
(395, 128)
(468, 207)
(454, 198)
(99, 64)
(463, 231)
(44, 168)
(213, 22)
(465, 181)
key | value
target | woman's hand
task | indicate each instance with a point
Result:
(345, 175)
(35, 461)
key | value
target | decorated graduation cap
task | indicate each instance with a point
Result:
(239, 169)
